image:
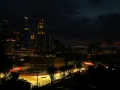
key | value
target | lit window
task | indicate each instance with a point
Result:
(26, 28)
(41, 26)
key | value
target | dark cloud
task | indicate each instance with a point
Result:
(31, 7)
(71, 28)
(104, 27)
(95, 2)
(107, 26)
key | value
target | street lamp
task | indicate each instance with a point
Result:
(37, 72)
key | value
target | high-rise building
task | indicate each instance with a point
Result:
(41, 43)
(25, 34)
(44, 41)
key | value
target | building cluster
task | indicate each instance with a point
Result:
(25, 40)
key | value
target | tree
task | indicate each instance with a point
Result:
(15, 76)
(70, 70)
(62, 70)
(5, 62)
(15, 85)
(51, 70)
(78, 66)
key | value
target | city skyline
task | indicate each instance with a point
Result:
(73, 22)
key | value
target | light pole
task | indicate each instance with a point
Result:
(37, 74)
(37, 78)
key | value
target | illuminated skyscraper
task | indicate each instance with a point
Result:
(41, 37)
(44, 41)
(26, 34)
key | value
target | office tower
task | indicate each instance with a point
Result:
(25, 34)
(41, 44)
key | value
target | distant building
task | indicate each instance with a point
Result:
(80, 49)
(41, 63)
(93, 47)
(107, 50)
(56, 61)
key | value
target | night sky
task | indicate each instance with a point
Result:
(75, 22)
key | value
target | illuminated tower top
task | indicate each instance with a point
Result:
(25, 21)
(26, 26)
(41, 27)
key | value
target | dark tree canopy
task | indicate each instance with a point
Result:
(5, 62)
(51, 70)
